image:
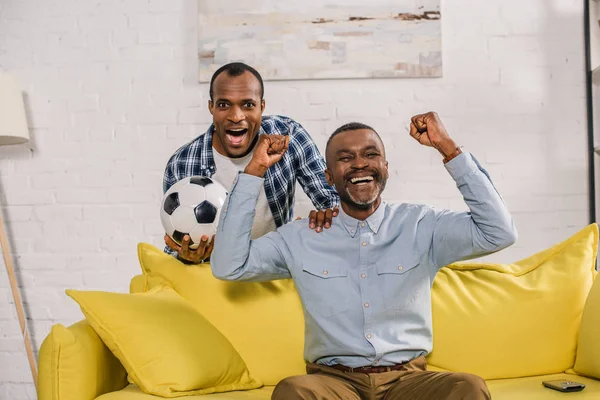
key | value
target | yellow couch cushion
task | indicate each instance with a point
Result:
(263, 321)
(531, 388)
(74, 364)
(167, 347)
(134, 393)
(137, 284)
(513, 320)
(588, 349)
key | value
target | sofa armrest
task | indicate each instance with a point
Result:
(138, 284)
(74, 364)
(587, 361)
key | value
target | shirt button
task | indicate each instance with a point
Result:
(400, 267)
(369, 336)
(376, 362)
(364, 243)
(363, 275)
(362, 224)
(325, 272)
(367, 305)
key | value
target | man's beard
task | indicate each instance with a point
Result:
(365, 203)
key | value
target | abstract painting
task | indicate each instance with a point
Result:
(322, 39)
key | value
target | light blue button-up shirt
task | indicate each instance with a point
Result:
(365, 285)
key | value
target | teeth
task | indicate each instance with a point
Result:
(361, 179)
(238, 130)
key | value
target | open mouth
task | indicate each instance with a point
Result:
(236, 136)
(361, 180)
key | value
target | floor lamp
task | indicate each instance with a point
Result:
(14, 131)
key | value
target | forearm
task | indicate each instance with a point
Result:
(487, 228)
(235, 256)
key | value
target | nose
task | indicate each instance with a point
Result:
(360, 162)
(236, 115)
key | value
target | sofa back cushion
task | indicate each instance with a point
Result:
(513, 320)
(263, 321)
(588, 348)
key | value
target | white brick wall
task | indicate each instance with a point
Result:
(111, 92)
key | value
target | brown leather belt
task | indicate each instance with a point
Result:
(368, 370)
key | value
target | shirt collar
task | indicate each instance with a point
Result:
(374, 221)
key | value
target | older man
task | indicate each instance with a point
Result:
(365, 282)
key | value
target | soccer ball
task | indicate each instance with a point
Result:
(192, 206)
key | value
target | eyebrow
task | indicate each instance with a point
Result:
(229, 101)
(372, 147)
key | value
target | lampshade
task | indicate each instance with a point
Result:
(13, 124)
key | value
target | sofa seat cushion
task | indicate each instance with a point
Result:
(132, 392)
(503, 321)
(530, 388)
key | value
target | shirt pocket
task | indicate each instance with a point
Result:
(402, 278)
(326, 288)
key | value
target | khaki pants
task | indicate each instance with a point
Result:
(412, 382)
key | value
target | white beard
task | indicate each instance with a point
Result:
(370, 200)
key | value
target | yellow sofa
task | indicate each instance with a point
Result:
(515, 325)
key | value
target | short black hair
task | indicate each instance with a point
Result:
(237, 69)
(351, 126)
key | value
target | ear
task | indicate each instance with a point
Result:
(328, 177)
(263, 104)
(387, 172)
(211, 107)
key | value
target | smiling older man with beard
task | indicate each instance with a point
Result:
(365, 282)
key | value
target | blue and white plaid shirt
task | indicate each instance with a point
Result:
(302, 162)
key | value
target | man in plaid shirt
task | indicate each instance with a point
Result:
(237, 103)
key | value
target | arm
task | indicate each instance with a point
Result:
(169, 178)
(488, 227)
(235, 256)
(311, 170)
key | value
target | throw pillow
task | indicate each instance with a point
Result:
(263, 320)
(513, 320)
(168, 348)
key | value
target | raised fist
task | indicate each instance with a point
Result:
(267, 152)
(428, 130)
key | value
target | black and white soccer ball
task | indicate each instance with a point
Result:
(192, 206)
